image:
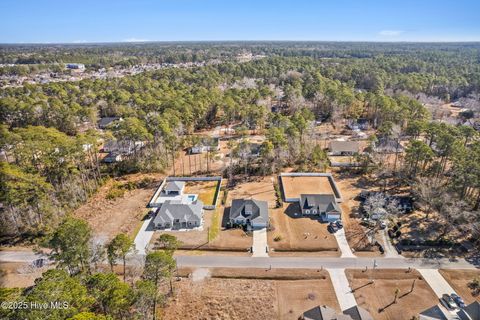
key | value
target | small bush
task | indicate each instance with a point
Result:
(277, 238)
(224, 196)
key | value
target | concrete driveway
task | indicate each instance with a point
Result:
(344, 294)
(390, 251)
(436, 281)
(144, 236)
(260, 246)
(343, 244)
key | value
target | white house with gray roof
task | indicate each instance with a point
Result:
(174, 188)
(249, 212)
(323, 205)
(174, 214)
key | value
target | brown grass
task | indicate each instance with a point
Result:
(214, 298)
(381, 294)
(110, 217)
(293, 187)
(298, 232)
(459, 280)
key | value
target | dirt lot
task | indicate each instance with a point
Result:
(18, 275)
(381, 294)
(459, 280)
(258, 189)
(298, 233)
(202, 297)
(293, 187)
(110, 217)
(204, 189)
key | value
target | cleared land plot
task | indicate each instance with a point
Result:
(204, 189)
(381, 294)
(295, 232)
(124, 214)
(459, 280)
(293, 187)
(260, 294)
(259, 189)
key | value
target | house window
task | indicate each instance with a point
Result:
(307, 211)
(176, 221)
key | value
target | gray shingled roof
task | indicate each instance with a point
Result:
(344, 146)
(173, 210)
(258, 208)
(323, 202)
(174, 186)
(358, 313)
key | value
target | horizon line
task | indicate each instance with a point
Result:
(220, 41)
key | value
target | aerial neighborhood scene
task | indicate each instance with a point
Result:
(240, 160)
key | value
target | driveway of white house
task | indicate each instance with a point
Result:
(144, 236)
(343, 244)
(260, 243)
(344, 294)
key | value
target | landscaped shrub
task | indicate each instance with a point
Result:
(277, 238)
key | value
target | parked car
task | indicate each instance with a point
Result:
(383, 225)
(339, 224)
(448, 302)
(458, 300)
(332, 227)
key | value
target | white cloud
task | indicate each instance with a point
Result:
(390, 33)
(135, 40)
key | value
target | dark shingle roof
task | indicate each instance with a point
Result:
(258, 208)
(323, 202)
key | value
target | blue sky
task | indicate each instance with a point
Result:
(182, 20)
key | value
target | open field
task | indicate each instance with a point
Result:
(204, 189)
(381, 294)
(293, 187)
(203, 296)
(459, 280)
(299, 233)
(110, 217)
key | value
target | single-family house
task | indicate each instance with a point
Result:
(174, 188)
(125, 147)
(104, 122)
(343, 148)
(470, 312)
(358, 124)
(175, 214)
(387, 145)
(327, 313)
(206, 144)
(249, 212)
(323, 205)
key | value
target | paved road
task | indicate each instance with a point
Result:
(284, 262)
(344, 294)
(343, 244)
(143, 236)
(260, 243)
(318, 263)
